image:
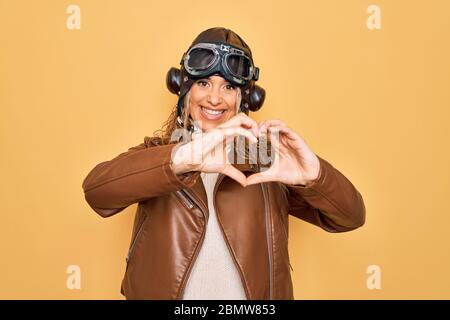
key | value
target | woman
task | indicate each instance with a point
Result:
(207, 227)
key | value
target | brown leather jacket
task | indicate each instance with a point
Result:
(173, 211)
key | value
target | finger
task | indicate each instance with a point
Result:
(260, 125)
(242, 119)
(213, 138)
(274, 137)
(237, 131)
(288, 132)
(237, 120)
(235, 174)
(271, 122)
(249, 123)
(260, 178)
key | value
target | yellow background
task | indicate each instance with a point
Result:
(374, 103)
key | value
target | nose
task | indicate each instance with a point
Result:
(214, 96)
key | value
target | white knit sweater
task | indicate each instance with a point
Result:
(214, 274)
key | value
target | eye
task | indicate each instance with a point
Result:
(202, 83)
(230, 87)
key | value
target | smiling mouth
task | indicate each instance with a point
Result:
(212, 114)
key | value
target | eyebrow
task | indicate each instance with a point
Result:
(225, 80)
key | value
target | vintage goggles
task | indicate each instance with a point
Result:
(205, 59)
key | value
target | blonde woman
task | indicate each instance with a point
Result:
(208, 227)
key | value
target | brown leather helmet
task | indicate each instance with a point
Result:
(218, 51)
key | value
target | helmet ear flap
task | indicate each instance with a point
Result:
(256, 98)
(173, 80)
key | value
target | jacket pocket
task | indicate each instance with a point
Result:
(185, 199)
(135, 240)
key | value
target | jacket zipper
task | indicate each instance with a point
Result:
(225, 239)
(190, 200)
(269, 242)
(185, 198)
(130, 251)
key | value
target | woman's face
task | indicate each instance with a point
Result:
(212, 101)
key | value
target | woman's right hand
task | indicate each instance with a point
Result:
(207, 150)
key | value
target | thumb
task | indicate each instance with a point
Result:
(235, 174)
(259, 178)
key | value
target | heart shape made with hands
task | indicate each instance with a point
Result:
(294, 162)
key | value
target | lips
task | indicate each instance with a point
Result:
(212, 114)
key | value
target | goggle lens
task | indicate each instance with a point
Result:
(238, 65)
(200, 58)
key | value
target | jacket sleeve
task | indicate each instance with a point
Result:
(143, 172)
(330, 202)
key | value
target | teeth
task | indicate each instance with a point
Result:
(212, 112)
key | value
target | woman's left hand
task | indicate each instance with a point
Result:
(294, 162)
